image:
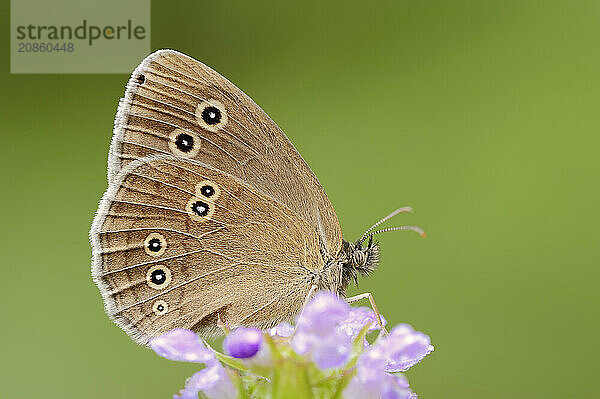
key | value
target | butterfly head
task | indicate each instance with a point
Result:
(358, 258)
(362, 256)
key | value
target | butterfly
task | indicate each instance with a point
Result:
(211, 215)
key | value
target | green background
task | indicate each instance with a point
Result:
(482, 115)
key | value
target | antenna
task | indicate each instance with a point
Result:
(368, 234)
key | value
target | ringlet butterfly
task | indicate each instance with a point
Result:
(211, 215)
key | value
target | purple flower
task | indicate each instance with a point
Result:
(317, 333)
(243, 342)
(181, 345)
(357, 319)
(282, 330)
(323, 313)
(400, 350)
(325, 333)
(405, 347)
(332, 350)
(213, 381)
(384, 386)
(184, 345)
(396, 387)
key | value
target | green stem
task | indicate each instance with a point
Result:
(343, 383)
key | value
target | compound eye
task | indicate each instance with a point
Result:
(155, 244)
(211, 115)
(158, 277)
(184, 143)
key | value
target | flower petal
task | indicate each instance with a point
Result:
(380, 385)
(181, 345)
(332, 351)
(213, 381)
(243, 342)
(282, 330)
(323, 313)
(302, 342)
(358, 389)
(405, 347)
(358, 318)
(396, 387)
(327, 351)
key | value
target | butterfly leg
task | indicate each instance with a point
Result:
(313, 289)
(368, 295)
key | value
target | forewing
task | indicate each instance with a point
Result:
(177, 243)
(176, 105)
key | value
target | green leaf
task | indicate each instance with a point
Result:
(231, 362)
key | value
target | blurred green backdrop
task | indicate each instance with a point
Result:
(482, 115)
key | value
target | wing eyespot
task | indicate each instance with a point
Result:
(158, 277)
(184, 144)
(160, 307)
(208, 189)
(211, 115)
(141, 79)
(200, 209)
(155, 244)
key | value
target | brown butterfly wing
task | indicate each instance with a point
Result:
(177, 243)
(177, 105)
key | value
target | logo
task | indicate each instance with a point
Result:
(84, 32)
(70, 36)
